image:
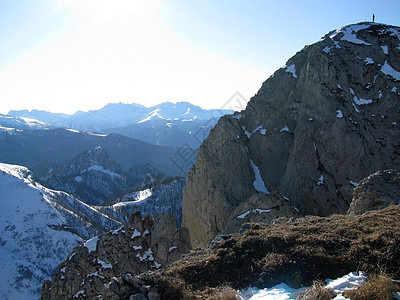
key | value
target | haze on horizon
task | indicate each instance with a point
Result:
(70, 55)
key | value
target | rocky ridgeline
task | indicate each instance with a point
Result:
(137, 247)
(319, 125)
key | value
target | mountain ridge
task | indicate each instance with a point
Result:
(94, 177)
(115, 115)
(39, 227)
(60, 144)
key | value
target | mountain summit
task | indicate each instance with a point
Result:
(316, 127)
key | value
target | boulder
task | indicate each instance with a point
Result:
(376, 191)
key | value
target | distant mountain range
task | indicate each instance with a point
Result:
(166, 124)
(31, 147)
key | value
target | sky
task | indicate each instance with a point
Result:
(70, 55)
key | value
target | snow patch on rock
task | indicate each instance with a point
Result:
(136, 233)
(350, 33)
(256, 210)
(91, 244)
(258, 183)
(291, 69)
(390, 71)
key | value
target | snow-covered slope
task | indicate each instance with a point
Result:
(13, 122)
(39, 227)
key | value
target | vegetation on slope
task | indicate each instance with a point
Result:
(296, 252)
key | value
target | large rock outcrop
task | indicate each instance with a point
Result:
(316, 127)
(376, 191)
(138, 246)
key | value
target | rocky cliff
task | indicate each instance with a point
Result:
(316, 127)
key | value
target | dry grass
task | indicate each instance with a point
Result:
(317, 291)
(225, 294)
(379, 287)
(295, 253)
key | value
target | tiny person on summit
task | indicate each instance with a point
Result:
(373, 18)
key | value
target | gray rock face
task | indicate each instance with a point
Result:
(219, 181)
(376, 191)
(103, 262)
(320, 124)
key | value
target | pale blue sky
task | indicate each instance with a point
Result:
(69, 55)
